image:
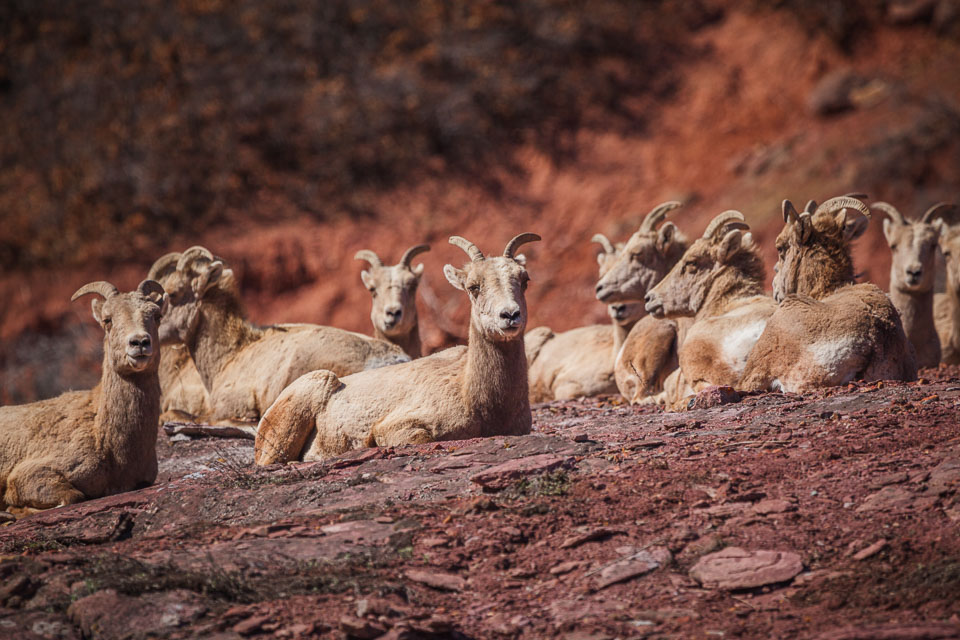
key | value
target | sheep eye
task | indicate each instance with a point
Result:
(690, 267)
(107, 322)
(474, 289)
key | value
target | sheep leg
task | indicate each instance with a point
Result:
(414, 432)
(33, 483)
(285, 427)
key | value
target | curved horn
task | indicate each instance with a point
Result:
(149, 287)
(811, 206)
(163, 265)
(658, 213)
(857, 195)
(192, 254)
(604, 242)
(369, 256)
(471, 249)
(721, 221)
(101, 288)
(789, 211)
(890, 210)
(412, 253)
(928, 216)
(843, 202)
(518, 240)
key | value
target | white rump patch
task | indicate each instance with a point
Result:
(738, 343)
(836, 357)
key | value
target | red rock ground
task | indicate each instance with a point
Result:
(587, 528)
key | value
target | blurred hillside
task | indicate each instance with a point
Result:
(287, 135)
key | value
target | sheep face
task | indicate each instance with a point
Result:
(683, 291)
(631, 272)
(394, 291)
(130, 323)
(496, 289)
(813, 249)
(194, 279)
(914, 255)
(950, 246)
(623, 314)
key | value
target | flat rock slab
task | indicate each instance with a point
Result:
(918, 631)
(437, 579)
(736, 568)
(503, 475)
(637, 565)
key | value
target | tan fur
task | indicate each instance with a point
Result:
(394, 293)
(88, 444)
(647, 357)
(719, 282)
(580, 362)
(827, 330)
(947, 305)
(912, 274)
(462, 392)
(244, 367)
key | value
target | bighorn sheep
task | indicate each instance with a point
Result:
(88, 444)
(827, 330)
(579, 362)
(718, 281)
(394, 292)
(912, 273)
(182, 394)
(243, 367)
(461, 392)
(947, 305)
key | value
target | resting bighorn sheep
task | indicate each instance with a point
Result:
(243, 367)
(461, 392)
(88, 444)
(912, 272)
(719, 282)
(827, 330)
(182, 394)
(394, 292)
(579, 362)
(947, 305)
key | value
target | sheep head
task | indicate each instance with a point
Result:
(950, 246)
(724, 251)
(621, 313)
(813, 249)
(914, 247)
(196, 276)
(394, 290)
(644, 260)
(495, 286)
(130, 323)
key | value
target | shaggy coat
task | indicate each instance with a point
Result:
(462, 392)
(88, 444)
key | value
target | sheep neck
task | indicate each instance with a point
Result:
(953, 305)
(409, 342)
(495, 381)
(220, 334)
(128, 409)
(620, 332)
(728, 288)
(916, 311)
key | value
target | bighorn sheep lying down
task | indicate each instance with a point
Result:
(826, 331)
(182, 394)
(243, 367)
(394, 292)
(461, 392)
(912, 272)
(947, 305)
(579, 362)
(719, 282)
(88, 444)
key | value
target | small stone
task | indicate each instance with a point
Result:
(766, 507)
(437, 580)
(566, 567)
(640, 564)
(873, 549)
(736, 568)
(251, 625)
(588, 536)
(359, 628)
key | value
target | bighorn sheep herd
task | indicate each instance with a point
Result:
(180, 346)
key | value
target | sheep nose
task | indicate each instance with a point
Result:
(649, 297)
(513, 317)
(393, 313)
(139, 342)
(915, 272)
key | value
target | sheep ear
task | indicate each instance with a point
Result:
(730, 244)
(418, 270)
(665, 236)
(454, 276)
(888, 230)
(520, 259)
(367, 279)
(600, 258)
(854, 228)
(97, 306)
(208, 277)
(164, 304)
